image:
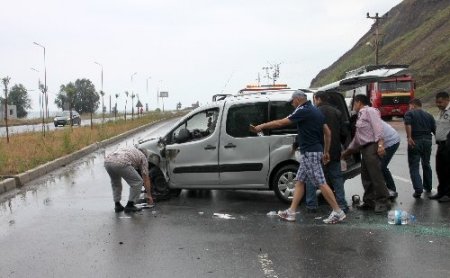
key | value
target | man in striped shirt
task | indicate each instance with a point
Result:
(369, 141)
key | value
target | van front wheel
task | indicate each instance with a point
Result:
(283, 183)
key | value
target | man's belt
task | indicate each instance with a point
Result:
(441, 142)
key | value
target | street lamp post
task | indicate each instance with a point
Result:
(45, 81)
(102, 93)
(146, 87)
(41, 104)
(132, 95)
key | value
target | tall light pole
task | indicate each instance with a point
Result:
(132, 95)
(45, 81)
(102, 93)
(147, 85)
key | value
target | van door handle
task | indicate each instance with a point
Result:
(210, 147)
(229, 145)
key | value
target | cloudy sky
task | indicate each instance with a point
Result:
(192, 49)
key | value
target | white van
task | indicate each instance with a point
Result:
(212, 147)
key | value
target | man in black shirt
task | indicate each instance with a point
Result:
(419, 126)
(335, 121)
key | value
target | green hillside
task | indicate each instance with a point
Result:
(415, 32)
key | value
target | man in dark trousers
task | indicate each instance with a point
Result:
(419, 126)
(369, 141)
(335, 122)
(443, 148)
(312, 132)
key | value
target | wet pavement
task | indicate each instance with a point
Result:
(64, 225)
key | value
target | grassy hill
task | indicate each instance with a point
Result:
(415, 32)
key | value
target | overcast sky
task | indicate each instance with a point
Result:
(192, 49)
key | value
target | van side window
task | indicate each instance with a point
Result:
(242, 115)
(200, 125)
(280, 110)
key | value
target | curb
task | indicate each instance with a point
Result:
(17, 181)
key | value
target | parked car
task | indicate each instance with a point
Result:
(63, 118)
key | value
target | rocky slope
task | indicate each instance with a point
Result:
(415, 32)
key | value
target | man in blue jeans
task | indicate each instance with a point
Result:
(419, 126)
(391, 143)
(335, 121)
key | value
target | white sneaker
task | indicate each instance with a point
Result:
(335, 217)
(286, 215)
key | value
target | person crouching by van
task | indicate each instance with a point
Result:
(369, 141)
(311, 128)
(125, 163)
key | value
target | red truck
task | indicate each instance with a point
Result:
(390, 96)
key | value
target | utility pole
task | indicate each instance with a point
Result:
(5, 82)
(377, 34)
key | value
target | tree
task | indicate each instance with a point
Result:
(18, 96)
(85, 98)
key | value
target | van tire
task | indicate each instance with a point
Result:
(175, 192)
(283, 183)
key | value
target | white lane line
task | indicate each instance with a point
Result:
(267, 266)
(402, 179)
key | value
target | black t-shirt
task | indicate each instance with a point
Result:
(334, 120)
(310, 123)
(422, 124)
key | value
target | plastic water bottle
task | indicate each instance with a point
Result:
(400, 217)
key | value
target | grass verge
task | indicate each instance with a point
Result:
(26, 151)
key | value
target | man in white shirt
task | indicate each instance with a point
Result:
(443, 149)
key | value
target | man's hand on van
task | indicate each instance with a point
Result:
(254, 129)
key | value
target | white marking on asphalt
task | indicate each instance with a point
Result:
(401, 179)
(267, 266)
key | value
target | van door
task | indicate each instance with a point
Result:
(192, 151)
(336, 100)
(244, 157)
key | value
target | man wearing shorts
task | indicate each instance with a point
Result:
(311, 128)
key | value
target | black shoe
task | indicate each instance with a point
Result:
(380, 208)
(417, 195)
(393, 195)
(311, 210)
(444, 199)
(427, 190)
(118, 207)
(129, 209)
(364, 206)
(345, 210)
(436, 196)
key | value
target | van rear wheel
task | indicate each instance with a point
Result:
(283, 183)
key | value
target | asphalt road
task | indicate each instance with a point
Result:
(63, 225)
(48, 126)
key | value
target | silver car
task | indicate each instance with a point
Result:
(212, 147)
